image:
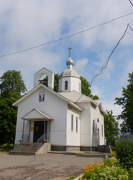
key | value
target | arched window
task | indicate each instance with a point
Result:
(66, 85)
(76, 124)
(72, 122)
(41, 96)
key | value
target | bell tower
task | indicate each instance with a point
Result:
(46, 72)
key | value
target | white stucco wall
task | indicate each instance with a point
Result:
(72, 137)
(53, 106)
(85, 125)
(74, 84)
(97, 138)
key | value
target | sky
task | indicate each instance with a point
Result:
(24, 24)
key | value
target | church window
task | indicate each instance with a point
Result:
(66, 85)
(93, 126)
(76, 124)
(72, 122)
(98, 120)
(41, 96)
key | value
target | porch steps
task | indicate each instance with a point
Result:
(25, 149)
(82, 153)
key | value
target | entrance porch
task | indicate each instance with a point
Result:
(36, 127)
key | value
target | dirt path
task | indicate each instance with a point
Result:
(50, 166)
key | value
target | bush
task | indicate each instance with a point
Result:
(131, 174)
(109, 170)
(6, 146)
(105, 172)
(124, 153)
(111, 162)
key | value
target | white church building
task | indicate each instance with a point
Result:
(66, 119)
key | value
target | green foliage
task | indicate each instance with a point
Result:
(124, 153)
(111, 128)
(11, 83)
(111, 162)
(105, 172)
(8, 116)
(6, 146)
(85, 88)
(109, 170)
(131, 174)
(11, 87)
(126, 101)
(56, 82)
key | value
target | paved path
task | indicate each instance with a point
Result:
(49, 166)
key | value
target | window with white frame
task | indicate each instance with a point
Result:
(93, 126)
(66, 85)
(76, 124)
(72, 122)
(41, 96)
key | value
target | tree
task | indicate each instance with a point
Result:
(126, 101)
(8, 116)
(11, 83)
(11, 88)
(111, 128)
(85, 88)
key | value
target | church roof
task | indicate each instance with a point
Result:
(76, 97)
(50, 90)
(70, 72)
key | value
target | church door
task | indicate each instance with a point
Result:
(38, 130)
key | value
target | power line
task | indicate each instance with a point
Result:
(110, 55)
(66, 37)
(131, 2)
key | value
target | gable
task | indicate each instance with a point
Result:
(36, 114)
(41, 86)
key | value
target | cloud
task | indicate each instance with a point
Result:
(128, 69)
(81, 64)
(27, 23)
(101, 63)
(30, 63)
(97, 91)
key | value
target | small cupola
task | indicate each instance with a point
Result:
(70, 79)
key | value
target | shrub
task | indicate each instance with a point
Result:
(113, 153)
(124, 153)
(105, 172)
(131, 174)
(109, 170)
(6, 146)
(111, 162)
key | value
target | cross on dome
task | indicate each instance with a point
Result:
(69, 61)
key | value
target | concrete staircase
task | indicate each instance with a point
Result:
(31, 149)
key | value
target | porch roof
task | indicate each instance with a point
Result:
(35, 115)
